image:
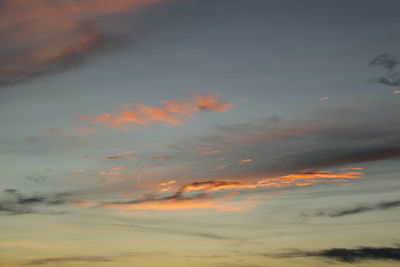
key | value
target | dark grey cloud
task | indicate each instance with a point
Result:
(60, 260)
(390, 63)
(320, 139)
(349, 255)
(361, 209)
(12, 202)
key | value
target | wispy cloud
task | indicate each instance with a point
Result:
(385, 205)
(171, 112)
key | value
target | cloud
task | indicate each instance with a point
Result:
(350, 255)
(387, 61)
(168, 183)
(45, 37)
(322, 139)
(129, 152)
(117, 168)
(361, 209)
(218, 168)
(60, 260)
(173, 202)
(246, 160)
(216, 194)
(121, 157)
(12, 202)
(171, 112)
(390, 64)
(296, 179)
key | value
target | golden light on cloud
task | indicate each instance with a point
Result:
(168, 183)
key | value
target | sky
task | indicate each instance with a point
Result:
(220, 133)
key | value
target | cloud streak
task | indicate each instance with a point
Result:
(60, 260)
(385, 205)
(350, 255)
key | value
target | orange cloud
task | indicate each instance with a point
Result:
(171, 112)
(295, 179)
(324, 174)
(168, 183)
(396, 92)
(175, 204)
(197, 195)
(247, 160)
(324, 98)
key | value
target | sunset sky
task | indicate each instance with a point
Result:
(191, 133)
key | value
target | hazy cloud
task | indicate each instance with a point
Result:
(12, 202)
